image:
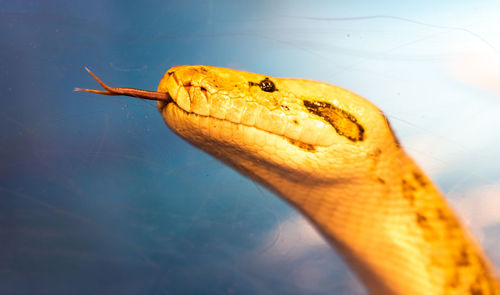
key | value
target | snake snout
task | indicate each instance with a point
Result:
(177, 91)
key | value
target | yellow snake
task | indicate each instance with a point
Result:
(333, 156)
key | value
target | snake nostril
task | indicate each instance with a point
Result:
(204, 92)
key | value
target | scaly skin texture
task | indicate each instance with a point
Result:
(333, 156)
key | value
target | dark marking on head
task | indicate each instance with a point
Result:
(343, 122)
(170, 73)
(304, 146)
(285, 108)
(380, 180)
(295, 122)
(267, 85)
(203, 69)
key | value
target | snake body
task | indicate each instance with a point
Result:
(333, 156)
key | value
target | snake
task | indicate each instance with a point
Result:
(333, 156)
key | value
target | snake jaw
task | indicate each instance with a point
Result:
(233, 96)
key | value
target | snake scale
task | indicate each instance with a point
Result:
(333, 156)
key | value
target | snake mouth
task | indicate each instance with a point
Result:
(192, 126)
(196, 94)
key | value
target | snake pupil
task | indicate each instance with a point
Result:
(267, 85)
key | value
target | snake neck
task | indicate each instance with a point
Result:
(396, 231)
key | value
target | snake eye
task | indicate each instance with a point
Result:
(267, 85)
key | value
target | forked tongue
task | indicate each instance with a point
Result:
(151, 95)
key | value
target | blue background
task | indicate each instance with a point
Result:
(98, 196)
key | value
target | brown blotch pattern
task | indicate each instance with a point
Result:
(422, 221)
(374, 168)
(343, 122)
(463, 259)
(420, 178)
(408, 191)
(452, 255)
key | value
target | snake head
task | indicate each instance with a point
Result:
(267, 127)
(262, 125)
